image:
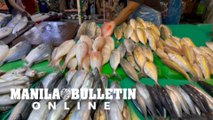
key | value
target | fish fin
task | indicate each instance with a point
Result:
(115, 76)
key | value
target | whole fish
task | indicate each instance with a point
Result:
(130, 71)
(61, 51)
(16, 82)
(82, 30)
(86, 63)
(151, 71)
(198, 70)
(175, 103)
(5, 31)
(122, 49)
(189, 53)
(98, 31)
(96, 60)
(161, 54)
(91, 29)
(141, 22)
(22, 110)
(188, 100)
(6, 100)
(40, 114)
(100, 113)
(89, 81)
(83, 113)
(114, 112)
(209, 45)
(140, 104)
(147, 98)
(131, 60)
(4, 52)
(81, 53)
(109, 41)
(151, 39)
(21, 25)
(69, 75)
(207, 87)
(39, 54)
(98, 43)
(87, 40)
(115, 60)
(78, 79)
(148, 53)
(141, 36)
(128, 32)
(188, 42)
(176, 67)
(106, 53)
(165, 32)
(129, 45)
(133, 23)
(139, 57)
(73, 63)
(134, 36)
(169, 42)
(204, 66)
(118, 33)
(69, 57)
(15, 20)
(182, 63)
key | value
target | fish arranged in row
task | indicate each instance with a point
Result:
(175, 101)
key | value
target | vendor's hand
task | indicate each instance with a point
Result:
(108, 28)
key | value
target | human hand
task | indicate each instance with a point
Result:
(108, 28)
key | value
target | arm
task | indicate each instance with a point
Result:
(124, 14)
(16, 6)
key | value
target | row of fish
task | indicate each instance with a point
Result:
(86, 53)
(19, 79)
(16, 24)
(23, 50)
(90, 29)
(185, 102)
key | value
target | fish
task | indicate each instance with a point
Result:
(123, 27)
(141, 22)
(91, 29)
(151, 71)
(162, 54)
(172, 50)
(15, 20)
(70, 74)
(106, 53)
(189, 53)
(73, 63)
(139, 57)
(129, 31)
(61, 51)
(141, 35)
(151, 39)
(100, 113)
(169, 42)
(98, 43)
(5, 31)
(122, 49)
(104, 80)
(40, 114)
(130, 71)
(202, 63)
(96, 60)
(115, 60)
(131, 60)
(188, 42)
(5, 108)
(4, 52)
(89, 81)
(71, 54)
(175, 103)
(78, 79)
(5, 20)
(130, 46)
(182, 63)
(141, 105)
(50, 80)
(39, 54)
(165, 32)
(62, 84)
(5, 100)
(21, 25)
(118, 33)
(160, 44)
(147, 98)
(148, 53)
(177, 41)
(114, 112)
(155, 29)
(81, 53)
(83, 113)
(110, 41)
(133, 23)
(86, 63)
(82, 29)
(22, 110)
(134, 36)
(198, 71)
(209, 45)
(23, 81)
(207, 87)
(87, 40)
(98, 31)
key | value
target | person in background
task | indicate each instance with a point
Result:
(16, 6)
(149, 10)
(30, 6)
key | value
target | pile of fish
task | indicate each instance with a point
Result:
(195, 63)
(86, 53)
(22, 50)
(179, 102)
(139, 31)
(15, 25)
(17, 79)
(90, 29)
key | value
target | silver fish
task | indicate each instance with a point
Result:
(69, 56)
(130, 71)
(21, 25)
(78, 79)
(5, 31)
(6, 90)
(15, 20)
(88, 82)
(50, 80)
(91, 29)
(39, 54)
(141, 104)
(70, 75)
(6, 100)
(16, 82)
(122, 49)
(18, 51)
(114, 112)
(129, 44)
(115, 60)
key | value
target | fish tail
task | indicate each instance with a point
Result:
(80, 67)
(115, 75)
